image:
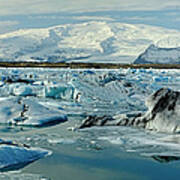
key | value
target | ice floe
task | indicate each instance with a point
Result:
(28, 112)
(14, 156)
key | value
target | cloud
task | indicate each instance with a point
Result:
(11, 7)
(138, 18)
(93, 18)
(6, 26)
(8, 23)
(176, 19)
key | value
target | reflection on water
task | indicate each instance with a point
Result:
(88, 154)
(107, 164)
(165, 159)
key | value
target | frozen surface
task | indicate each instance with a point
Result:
(143, 142)
(94, 41)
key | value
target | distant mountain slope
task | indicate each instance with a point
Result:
(87, 42)
(166, 51)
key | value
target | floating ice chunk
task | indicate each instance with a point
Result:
(39, 115)
(163, 114)
(62, 141)
(156, 145)
(14, 156)
(59, 91)
(28, 112)
(160, 79)
(9, 109)
(22, 90)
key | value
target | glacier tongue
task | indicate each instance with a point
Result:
(156, 55)
(164, 51)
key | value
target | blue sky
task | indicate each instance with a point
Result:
(16, 14)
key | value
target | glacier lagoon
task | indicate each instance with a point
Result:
(72, 95)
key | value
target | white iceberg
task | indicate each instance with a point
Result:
(14, 156)
(28, 112)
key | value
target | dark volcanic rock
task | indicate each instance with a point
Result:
(163, 114)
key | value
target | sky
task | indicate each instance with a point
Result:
(52, 6)
(17, 14)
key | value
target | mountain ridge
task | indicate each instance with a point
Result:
(94, 41)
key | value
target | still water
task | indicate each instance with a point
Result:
(80, 155)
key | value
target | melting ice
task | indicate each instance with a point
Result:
(48, 97)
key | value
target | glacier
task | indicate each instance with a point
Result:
(156, 55)
(164, 51)
(94, 41)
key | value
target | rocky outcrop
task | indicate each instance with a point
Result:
(163, 114)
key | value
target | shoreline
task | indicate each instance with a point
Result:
(86, 65)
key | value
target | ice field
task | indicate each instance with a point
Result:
(41, 108)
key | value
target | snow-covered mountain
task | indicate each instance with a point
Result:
(166, 51)
(93, 41)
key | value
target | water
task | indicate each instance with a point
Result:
(95, 153)
(85, 157)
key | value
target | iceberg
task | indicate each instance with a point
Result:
(163, 114)
(28, 112)
(14, 156)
